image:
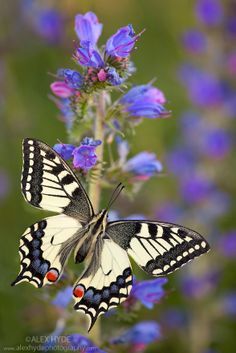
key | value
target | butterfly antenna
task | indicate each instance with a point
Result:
(115, 195)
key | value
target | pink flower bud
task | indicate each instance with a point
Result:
(102, 76)
(61, 89)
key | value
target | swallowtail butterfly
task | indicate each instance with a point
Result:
(158, 248)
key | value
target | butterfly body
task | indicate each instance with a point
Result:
(158, 248)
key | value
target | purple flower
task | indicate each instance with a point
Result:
(194, 41)
(228, 304)
(113, 77)
(49, 24)
(204, 88)
(143, 166)
(84, 155)
(121, 43)
(64, 150)
(140, 334)
(198, 287)
(83, 344)
(63, 297)
(227, 244)
(196, 188)
(181, 160)
(216, 143)
(170, 212)
(67, 112)
(73, 78)
(209, 12)
(149, 292)
(88, 28)
(175, 318)
(88, 56)
(144, 101)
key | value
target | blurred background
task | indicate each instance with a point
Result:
(191, 51)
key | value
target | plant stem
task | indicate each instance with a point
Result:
(95, 185)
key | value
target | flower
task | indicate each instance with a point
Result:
(169, 212)
(121, 43)
(88, 28)
(149, 292)
(73, 78)
(209, 12)
(196, 188)
(227, 244)
(194, 41)
(84, 156)
(81, 343)
(204, 88)
(64, 150)
(88, 56)
(49, 24)
(228, 303)
(140, 335)
(113, 77)
(143, 165)
(198, 287)
(63, 297)
(67, 111)
(61, 89)
(144, 101)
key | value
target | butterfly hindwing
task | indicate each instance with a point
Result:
(49, 183)
(158, 248)
(45, 248)
(106, 282)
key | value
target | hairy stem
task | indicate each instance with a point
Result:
(95, 185)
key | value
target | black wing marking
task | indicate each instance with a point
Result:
(158, 248)
(105, 284)
(45, 248)
(49, 183)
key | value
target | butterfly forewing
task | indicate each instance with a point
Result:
(49, 183)
(158, 248)
(106, 283)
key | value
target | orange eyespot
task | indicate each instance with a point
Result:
(52, 275)
(78, 291)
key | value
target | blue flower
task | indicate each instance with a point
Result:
(228, 303)
(204, 88)
(88, 28)
(87, 55)
(144, 101)
(143, 165)
(194, 41)
(149, 292)
(64, 150)
(63, 297)
(84, 156)
(169, 212)
(121, 43)
(73, 78)
(209, 12)
(142, 333)
(113, 77)
(227, 244)
(200, 286)
(83, 344)
(49, 24)
(196, 188)
(4, 184)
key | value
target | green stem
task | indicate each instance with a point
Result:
(95, 185)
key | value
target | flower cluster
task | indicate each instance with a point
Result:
(84, 156)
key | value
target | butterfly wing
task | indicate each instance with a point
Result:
(158, 248)
(106, 282)
(45, 248)
(49, 183)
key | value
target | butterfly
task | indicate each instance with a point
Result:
(158, 248)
